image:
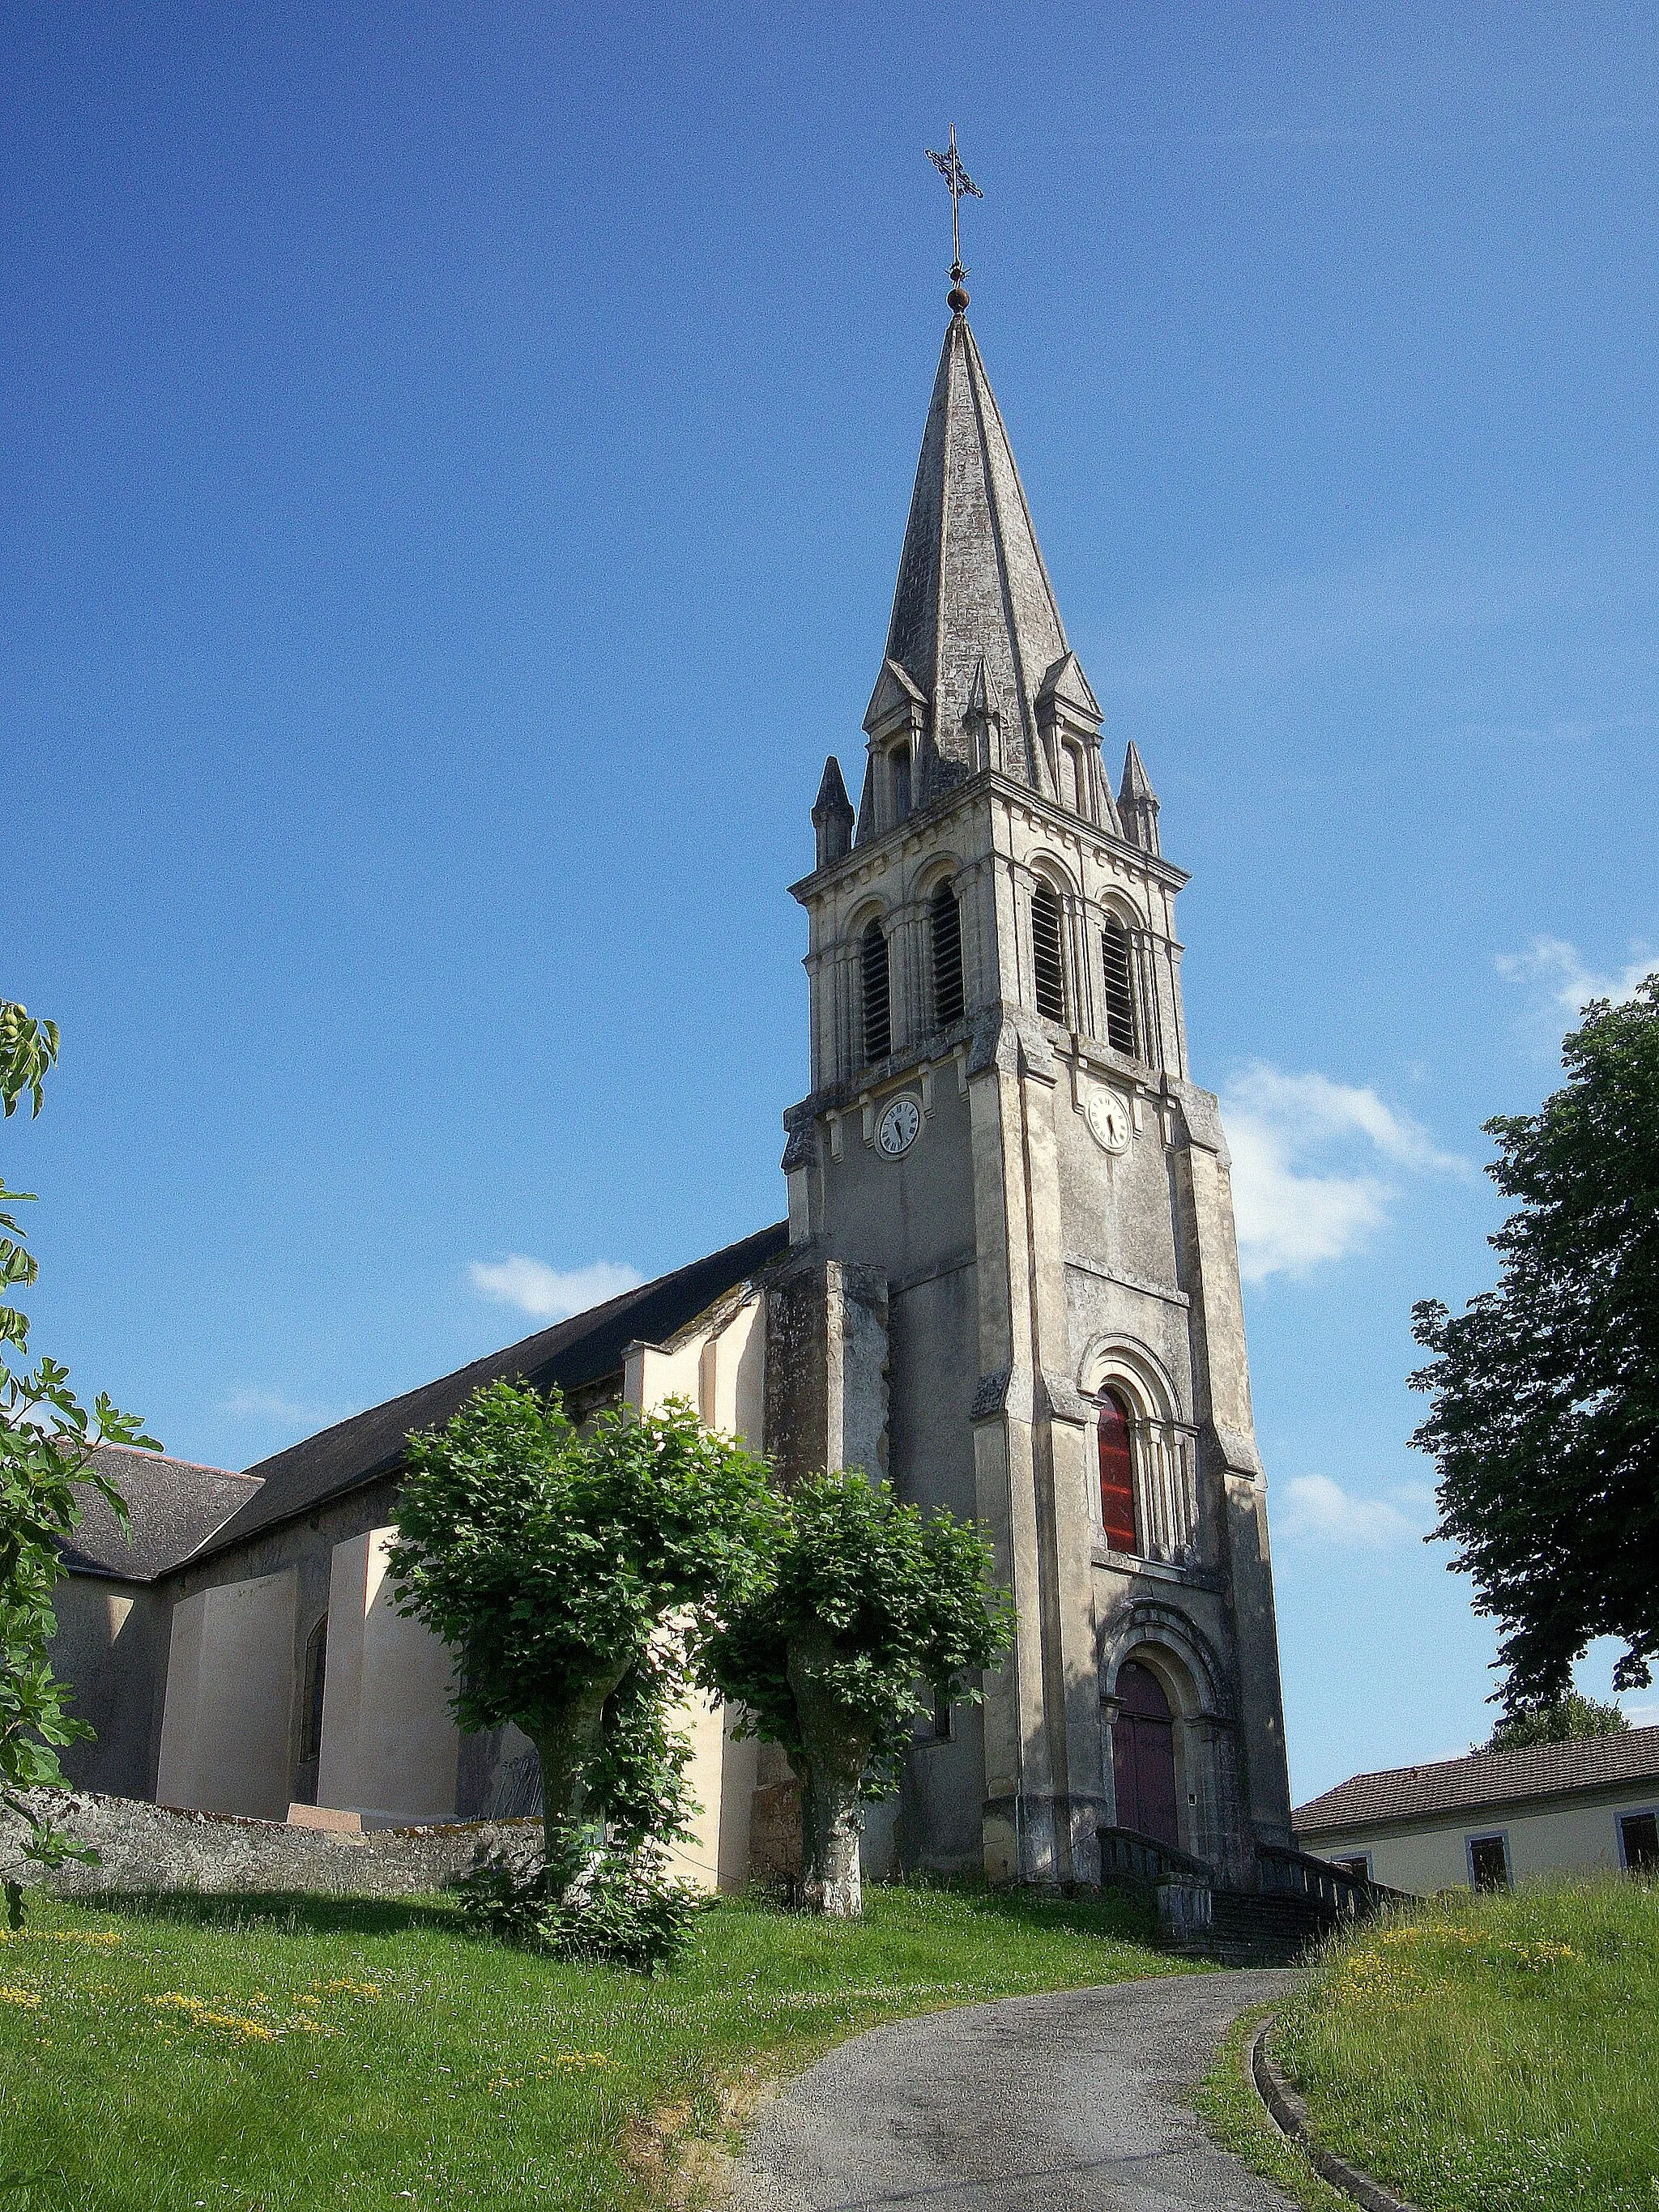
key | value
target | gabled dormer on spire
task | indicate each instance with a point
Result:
(1137, 802)
(976, 635)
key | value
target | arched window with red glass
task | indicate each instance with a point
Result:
(1117, 1476)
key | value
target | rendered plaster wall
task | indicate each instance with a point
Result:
(304, 1546)
(112, 1646)
(390, 1744)
(720, 1369)
(225, 1732)
(1571, 1835)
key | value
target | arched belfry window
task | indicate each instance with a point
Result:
(1120, 991)
(1117, 1476)
(899, 759)
(877, 1009)
(945, 926)
(1046, 959)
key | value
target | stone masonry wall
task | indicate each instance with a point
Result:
(153, 1847)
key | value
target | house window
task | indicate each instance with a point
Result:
(1117, 1479)
(1048, 961)
(1358, 1863)
(941, 1716)
(878, 1020)
(944, 921)
(1638, 1842)
(1489, 1861)
(900, 758)
(1120, 993)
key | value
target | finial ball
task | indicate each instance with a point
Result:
(956, 298)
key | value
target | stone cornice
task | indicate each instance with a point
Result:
(993, 784)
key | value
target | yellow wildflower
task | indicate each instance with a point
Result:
(30, 1999)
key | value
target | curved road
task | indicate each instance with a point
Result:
(1062, 2103)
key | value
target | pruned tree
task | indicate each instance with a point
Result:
(568, 1570)
(868, 1603)
(47, 1438)
(1545, 1391)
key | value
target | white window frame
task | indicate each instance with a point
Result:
(1346, 1859)
(1474, 1835)
(1630, 1813)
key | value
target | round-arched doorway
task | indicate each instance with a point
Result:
(1143, 1755)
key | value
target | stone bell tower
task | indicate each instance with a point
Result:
(1013, 1285)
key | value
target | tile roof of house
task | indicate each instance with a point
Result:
(584, 1349)
(1483, 1779)
(174, 1506)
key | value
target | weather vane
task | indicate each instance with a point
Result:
(949, 165)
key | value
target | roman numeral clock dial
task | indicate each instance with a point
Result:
(897, 1130)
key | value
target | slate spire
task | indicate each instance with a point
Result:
(975, 617)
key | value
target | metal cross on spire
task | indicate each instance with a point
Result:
(949, 165)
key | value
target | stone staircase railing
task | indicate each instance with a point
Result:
(1332, 1889)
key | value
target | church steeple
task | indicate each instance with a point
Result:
(975, 617)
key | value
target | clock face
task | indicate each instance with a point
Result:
(897, 1130)
(1109, 1120)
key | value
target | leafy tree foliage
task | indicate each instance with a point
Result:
(47, 1442)
(866, 1600)
(1545, 1391)
(1568, 1719)
(569, 1572)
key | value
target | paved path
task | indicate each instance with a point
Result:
(1064, 2103)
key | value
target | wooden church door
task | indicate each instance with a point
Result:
(1143, 1756)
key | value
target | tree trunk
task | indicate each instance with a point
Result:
(832, 1823)
(563, 1746)
(835, 1752)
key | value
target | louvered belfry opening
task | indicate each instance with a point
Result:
(1117, 1479)
(1119, 993)
(1046, 957)
(878, 1015)
(945, 917)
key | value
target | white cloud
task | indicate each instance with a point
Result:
(286, 1413)
(547, 1293)
(1319, 1510)
(1557, 969)
(1306, 1153)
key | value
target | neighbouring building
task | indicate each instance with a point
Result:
(1007, 1280)
(1496, 1817)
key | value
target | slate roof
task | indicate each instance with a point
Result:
(175, 1507)
(584, 1349)
(1484, 1779)
(973, 593)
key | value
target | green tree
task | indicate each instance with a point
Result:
(1545, 1392)
(47, 1442)
(570, 1571)
(867, 1602)
(1565, 1721)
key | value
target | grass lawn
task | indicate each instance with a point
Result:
(1500, 2054)
(233, 2053)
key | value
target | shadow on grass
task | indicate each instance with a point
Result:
(1123, 1916)
(293, 1912)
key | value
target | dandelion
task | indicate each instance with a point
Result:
(370, 1991)
(103, 1936)
(29, 1999)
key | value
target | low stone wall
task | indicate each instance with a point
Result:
(153, 1847)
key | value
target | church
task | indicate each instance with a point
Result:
(1007, 1281)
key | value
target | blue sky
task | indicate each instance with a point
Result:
(460, 462)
